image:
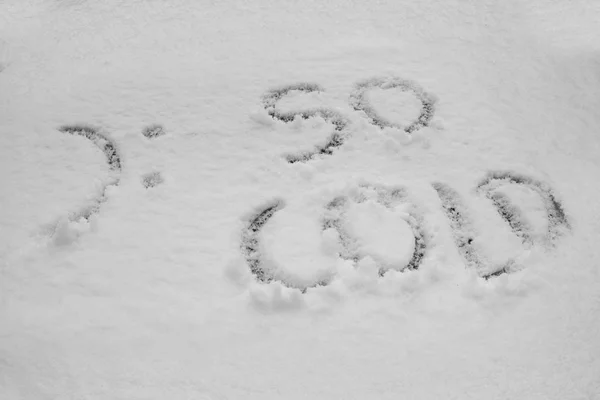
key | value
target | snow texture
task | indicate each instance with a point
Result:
(299, 200)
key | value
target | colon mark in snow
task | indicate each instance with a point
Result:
(465, 235)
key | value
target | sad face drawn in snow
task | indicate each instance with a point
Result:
(395, 199)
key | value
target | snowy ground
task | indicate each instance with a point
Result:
(172, 228)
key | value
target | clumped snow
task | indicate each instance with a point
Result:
(267, 200)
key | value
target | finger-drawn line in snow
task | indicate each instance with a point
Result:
(251, 244)
(251, 249)
(152, 179)
(153, 131)
(340, 123)
(464, 233)
(463, 229)
(359, 102)
(113, 159)
(389, 198)
(512, 214)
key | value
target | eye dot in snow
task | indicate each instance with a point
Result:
(108, 147)
(557, 219)
(251, 247)
(152, 179)
(153, 131)
(339, 122)
(389, 198)
(359, 101)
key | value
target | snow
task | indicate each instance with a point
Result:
(160, 279)
(395, 104)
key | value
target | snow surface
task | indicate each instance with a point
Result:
(132, 280)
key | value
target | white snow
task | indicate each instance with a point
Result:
(399, 106)
(152, 295)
